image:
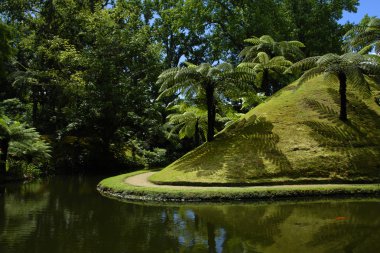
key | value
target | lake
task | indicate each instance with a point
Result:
(67, 214)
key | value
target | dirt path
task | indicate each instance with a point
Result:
(142, 180)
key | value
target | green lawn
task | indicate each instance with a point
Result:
(116, 187)
(294, 137)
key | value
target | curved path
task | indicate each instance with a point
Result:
(142, 180)
(136, 186)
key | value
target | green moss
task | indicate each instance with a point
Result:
(117, 188)
(293, 137)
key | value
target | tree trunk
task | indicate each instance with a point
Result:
(343, 96)
(196, 134)
(210, 111)
(4, 144)
(265, 83)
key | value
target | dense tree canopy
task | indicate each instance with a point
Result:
(85, 72)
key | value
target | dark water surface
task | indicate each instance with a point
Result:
(67, 214)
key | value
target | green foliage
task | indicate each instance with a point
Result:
(315, 23)
(348, 68)
(5, 47)
(295, 136)
(354, 66)
(288, 49)
(87, 70)
(20, 142)
(364, 37)
(207, 81)
(189, 121)
(25, 142)
(21, 169)
(267, 70)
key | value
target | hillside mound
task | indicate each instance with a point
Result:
(294, 137)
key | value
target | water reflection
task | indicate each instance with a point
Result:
(68, 215)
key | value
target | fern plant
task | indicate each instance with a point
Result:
(20, 141)
(189, 122)
(344, 69)
(364, 37)
(204, 80)
(266, 68)
(289, 49)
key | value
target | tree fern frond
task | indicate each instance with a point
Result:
(246, 65)
(370, 67)
(296, 43)
(303, 64)
(225, 67)
(203, 69)
(253, 40)
(328, 59)
(310, 74)
(357, 80)
(190, 65)
(262, 57)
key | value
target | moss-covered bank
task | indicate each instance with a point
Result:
(295, 137)
(117, 188)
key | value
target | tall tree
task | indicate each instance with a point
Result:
(315, 21)
(345, 69)
(204, 79)
(267, 70)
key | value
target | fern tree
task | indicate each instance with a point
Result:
(266, 68)
(364, 37)
(345, 69)
(204, 80)
(289, 49)
(189, 122)
(21, 142)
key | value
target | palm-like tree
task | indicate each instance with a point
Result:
(189, 121)
(207, 81)
(266, 68)
(365, 37)
(20, 141)
(289, 49)
(349, 68)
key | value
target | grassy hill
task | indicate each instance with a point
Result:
(294, 137)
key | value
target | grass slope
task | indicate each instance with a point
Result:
(294, 137)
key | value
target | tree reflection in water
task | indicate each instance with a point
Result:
(66, 214)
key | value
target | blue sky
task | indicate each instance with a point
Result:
(370, 7)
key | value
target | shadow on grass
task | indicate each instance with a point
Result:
(358, 139)
(243, 152)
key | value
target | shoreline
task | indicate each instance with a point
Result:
(135, 187)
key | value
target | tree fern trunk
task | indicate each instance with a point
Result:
(196, 134)
(265, 83)
(343, 96)
(210, 112)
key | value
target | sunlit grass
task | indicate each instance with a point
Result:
(294, 137)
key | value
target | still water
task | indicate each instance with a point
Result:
(67, 214)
